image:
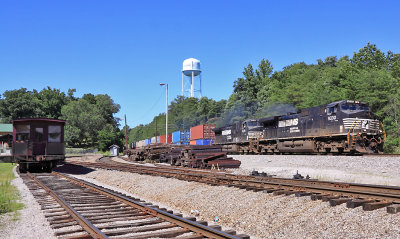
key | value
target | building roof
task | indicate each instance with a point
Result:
(6, 128)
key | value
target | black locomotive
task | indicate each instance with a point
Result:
(340, 127)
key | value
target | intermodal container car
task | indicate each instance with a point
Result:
(192, 142)
(203, 131)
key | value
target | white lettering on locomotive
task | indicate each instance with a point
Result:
(332, 117)
(288, 122)
(294, 130)
(226, 132)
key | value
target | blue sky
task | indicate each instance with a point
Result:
(126, 48)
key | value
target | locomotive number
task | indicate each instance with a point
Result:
(332, 117)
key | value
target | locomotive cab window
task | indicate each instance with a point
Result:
(54, 134)
(22, 132)
(332, 110)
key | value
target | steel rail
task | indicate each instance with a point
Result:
(196, 227)
(379, 192)
(242, 178)
(86, 225)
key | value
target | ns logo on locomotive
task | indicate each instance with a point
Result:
(345, 126)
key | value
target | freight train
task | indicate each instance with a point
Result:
(38, 143)
(342, 127)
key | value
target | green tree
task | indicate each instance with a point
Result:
(51, 102)
(17, 104)
(107, 108)
(369, 57)
(83, 123)
(109, 136)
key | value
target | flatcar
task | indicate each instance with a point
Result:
(38, 143)
(344, 126)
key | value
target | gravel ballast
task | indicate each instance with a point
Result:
(258, 214)
(31, 222)
(350, 169)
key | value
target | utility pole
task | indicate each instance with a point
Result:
(126, 135)
(156, 129)
(166, 112)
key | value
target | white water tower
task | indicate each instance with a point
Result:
(191, 69)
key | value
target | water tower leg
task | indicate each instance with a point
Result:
(192, 86)
(201, 93)
(182, 83)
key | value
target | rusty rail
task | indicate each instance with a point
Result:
(376, 193)
(85, 224)
(196, 227)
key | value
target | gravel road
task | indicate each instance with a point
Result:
(351, 169)
(255, 213)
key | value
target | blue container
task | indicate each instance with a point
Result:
(204, 141)
(182, 137)
(147, 142)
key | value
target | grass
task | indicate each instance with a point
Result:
(8, 193)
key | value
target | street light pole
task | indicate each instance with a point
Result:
(166, 112)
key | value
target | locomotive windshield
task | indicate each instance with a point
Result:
(354, 107)
(252, 123)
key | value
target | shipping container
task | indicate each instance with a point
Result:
(192, 142)
(203, 131)
(147, 142)
(170, 138)
(140, 144)
(182, 143)
(204, 141)
(181, 137)
(162, 139)
(155, 140)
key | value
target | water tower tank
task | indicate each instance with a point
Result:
(190, 66)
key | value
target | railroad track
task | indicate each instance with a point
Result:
(370, 197)
(79, 209)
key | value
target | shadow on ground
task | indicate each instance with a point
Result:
(73, 169)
